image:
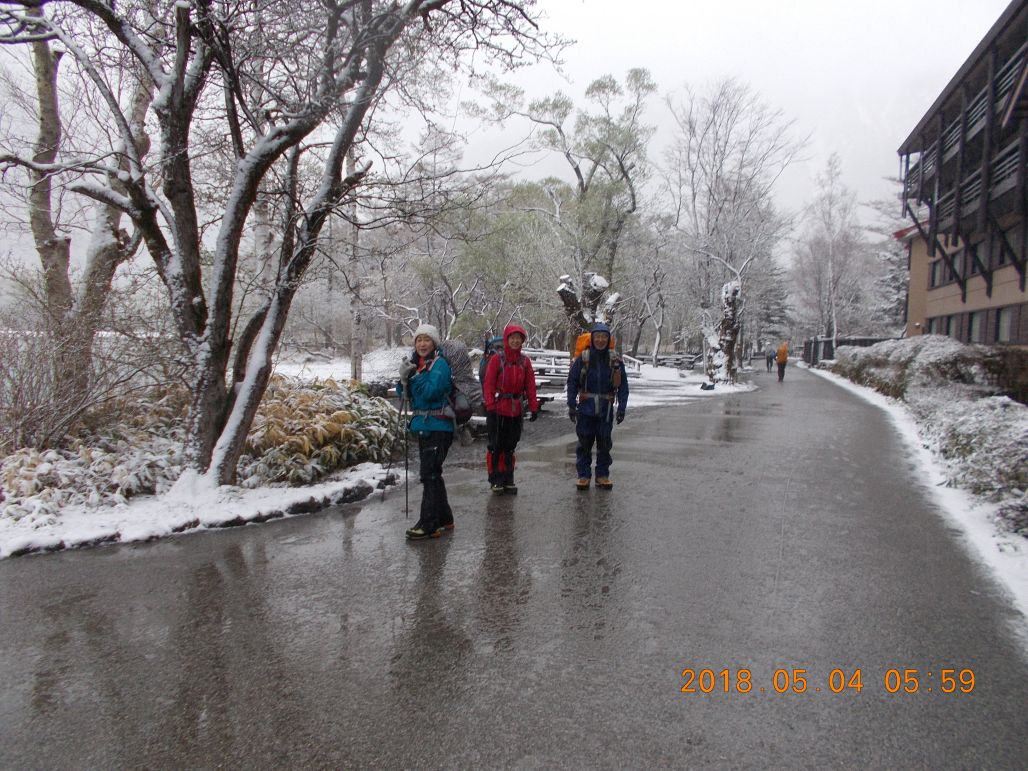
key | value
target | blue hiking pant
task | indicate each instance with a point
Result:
(592, 430)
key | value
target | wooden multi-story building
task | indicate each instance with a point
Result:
(963, 169)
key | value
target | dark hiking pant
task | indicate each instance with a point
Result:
(781, 372)
(504, 433)
(435, 508)
(592, 430)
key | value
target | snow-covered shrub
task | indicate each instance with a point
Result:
(305, 430)
(124, 448)
(302, 432)
(893, 367)
(990, 438)
(953, 391)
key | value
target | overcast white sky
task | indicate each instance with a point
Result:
(856, 76)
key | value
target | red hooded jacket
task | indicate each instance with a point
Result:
(508, 378)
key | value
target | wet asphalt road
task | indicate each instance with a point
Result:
(776, 530)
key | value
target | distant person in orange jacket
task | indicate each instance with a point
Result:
(782, 357)
(508, 388)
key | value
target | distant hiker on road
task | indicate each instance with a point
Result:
(770, 357)
(425, 380)
(782, 357)
(597, 396)
(509, 382)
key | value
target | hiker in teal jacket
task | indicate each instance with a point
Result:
(425, 379)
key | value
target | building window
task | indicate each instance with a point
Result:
(976, 327)
(1003, 318)
(972, 266)
(941, 325)
(999, 254)
(940, 274)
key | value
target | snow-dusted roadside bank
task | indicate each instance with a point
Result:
(1005, 554)
(186, 509)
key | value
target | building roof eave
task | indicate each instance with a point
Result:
(913, 143)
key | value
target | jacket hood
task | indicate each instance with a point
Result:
(509, 330)
(599, 327)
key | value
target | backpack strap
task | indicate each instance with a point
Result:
(524, 369)
(616, 369)
(446, 413)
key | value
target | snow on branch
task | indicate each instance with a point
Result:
(105, 195)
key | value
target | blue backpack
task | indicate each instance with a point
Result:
(490, 348)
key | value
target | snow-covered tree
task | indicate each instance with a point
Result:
(65, 308)
(892, 274)
(767, 315)
(270, 93)
(604, 145)
(726, 155)
(833, 267)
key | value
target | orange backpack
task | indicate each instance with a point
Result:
(582, 349)
(583, 340)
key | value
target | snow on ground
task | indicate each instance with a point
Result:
(378, 366)
(658, 385)
(666, 385)
(1004, 554)
(152, 516)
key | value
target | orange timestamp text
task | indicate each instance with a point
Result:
(894, 680)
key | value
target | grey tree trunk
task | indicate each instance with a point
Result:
(356, 295)
(72, 319)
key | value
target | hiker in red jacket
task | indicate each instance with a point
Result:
(509, 383)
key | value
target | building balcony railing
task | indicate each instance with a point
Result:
(1003, 173)
(977, 111)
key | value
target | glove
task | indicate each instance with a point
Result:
(532, 416)
(620, 418)
(406, 368)
(573, 414)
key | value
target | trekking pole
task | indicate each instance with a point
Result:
(396, 438)
(406, 462)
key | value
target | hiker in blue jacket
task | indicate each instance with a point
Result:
(425, 380)
(597, 397)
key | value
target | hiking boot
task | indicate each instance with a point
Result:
(447, 528)
(496, 489)
(420, 532)
(604, 483)
(582, 483)
(511, 489)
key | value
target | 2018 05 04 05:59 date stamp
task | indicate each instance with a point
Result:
(894, 680)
